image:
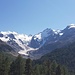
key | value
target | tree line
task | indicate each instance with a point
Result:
(21, 66)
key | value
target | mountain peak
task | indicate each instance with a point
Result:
(47, 30)
(8, 32)
(57, 31)
(71, 26)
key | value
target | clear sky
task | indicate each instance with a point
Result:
(33, 16)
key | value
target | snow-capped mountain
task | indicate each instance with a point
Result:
(13, 35)
(41, 38)
(17, 41)
(41, 43)
(57, 39)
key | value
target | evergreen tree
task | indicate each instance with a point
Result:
(17, 66)
(4, 65)
(53, 67)
(28, 67)
(1, 61)
(37, 70)
(1, 65)
(47, 65)
(58, 70)
(64, 70)
(42, 69)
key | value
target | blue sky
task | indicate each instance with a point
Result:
(33, 16)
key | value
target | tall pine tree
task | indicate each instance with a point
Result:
(17, 66)
(64, 70)
(4, 65)
(36, 70)
(28, 67)
(58, 70)
(47, 64)
(53, 67)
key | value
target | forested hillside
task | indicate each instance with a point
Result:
(64, 56)
(20, 66)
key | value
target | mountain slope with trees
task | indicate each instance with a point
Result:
(64, 56)
(20, 66)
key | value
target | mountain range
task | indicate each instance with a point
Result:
(39, 44)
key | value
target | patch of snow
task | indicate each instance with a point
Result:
(56, 31)
(71, 26)
(26, 52)
(60, 34)
(38, 36)
(23, 37)
(4, 39)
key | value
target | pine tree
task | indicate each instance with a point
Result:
(28, 67)
(43, 70)
(47, 65)
(1, 61)
(64, 70)
(17, 66)
(4, 65)
(53, 67)
(1, 65)
(58, 70)
(37, 70)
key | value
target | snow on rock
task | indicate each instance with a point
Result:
(71, 26)
(19, 42)
(60, 34)
(46, 32)
(43, 34)
(38, 36)
(26, 52)
(24, 38)
(57, 31)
